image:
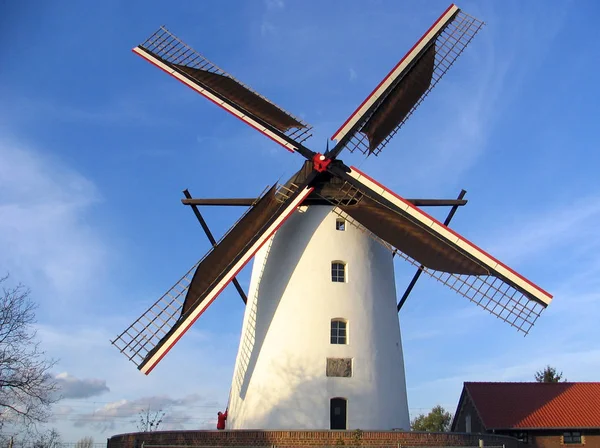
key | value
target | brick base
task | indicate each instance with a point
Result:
(247, 438)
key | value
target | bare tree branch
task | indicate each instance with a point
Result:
(150, 421)
(27, 390)
(86, 442)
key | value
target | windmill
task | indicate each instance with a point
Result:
(320, 345)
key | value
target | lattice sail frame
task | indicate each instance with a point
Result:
(487, 291)
(449, 45)
(148, 329)
(143, 335)
(173, 50)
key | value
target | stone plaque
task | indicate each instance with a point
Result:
(339, 367)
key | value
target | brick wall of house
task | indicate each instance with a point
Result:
(554, 440)
(305, 438)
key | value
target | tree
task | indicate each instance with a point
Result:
(150, 421)
(549, 375)
(438, 420)
(86, 442)
(31, 436)
(48, 439)
(27, 390)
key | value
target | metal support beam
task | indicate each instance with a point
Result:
(455, 203)
(412, 283)
(247, 202)
(213, 242)
(220, 201)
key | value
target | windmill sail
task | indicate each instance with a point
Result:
(173, 56)
(392, 102)
(231, 245)
(444, 254)
(152, 335)
(392, 220)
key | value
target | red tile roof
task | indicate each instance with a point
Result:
(536, 405)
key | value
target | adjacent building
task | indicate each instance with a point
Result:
(541, 415)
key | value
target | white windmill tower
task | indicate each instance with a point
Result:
(320, 345)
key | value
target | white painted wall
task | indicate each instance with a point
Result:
(279, 380)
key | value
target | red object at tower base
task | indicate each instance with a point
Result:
(221, 417)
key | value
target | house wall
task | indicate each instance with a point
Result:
(467, 408)
(553, 439)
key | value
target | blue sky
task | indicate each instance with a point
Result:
(96, 146)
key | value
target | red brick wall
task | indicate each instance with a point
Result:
(306, 438)
(555, 441)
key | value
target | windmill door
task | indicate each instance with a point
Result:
(337, 413)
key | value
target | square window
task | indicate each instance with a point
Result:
(572, 437)
(340, 224)
(520, 436)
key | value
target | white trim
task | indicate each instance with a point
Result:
(452, 237)
(172, 339)
(238, 113)
(393, 75)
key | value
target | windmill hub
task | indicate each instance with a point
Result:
(320, 162)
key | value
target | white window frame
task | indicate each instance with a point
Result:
(335, 278)
(335, 338)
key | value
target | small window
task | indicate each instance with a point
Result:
(339, 331)
(572, 437)
(522, 437)
(468, 423)
(340, 224)
(338, 272)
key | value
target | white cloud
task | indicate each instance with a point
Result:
(541, 230)
(274, 4)
(267, 28)
(467, 114)
(85, 352)
(44, 237)
(124, 109)
(352, 74)
(73, 387)
(106, 416)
